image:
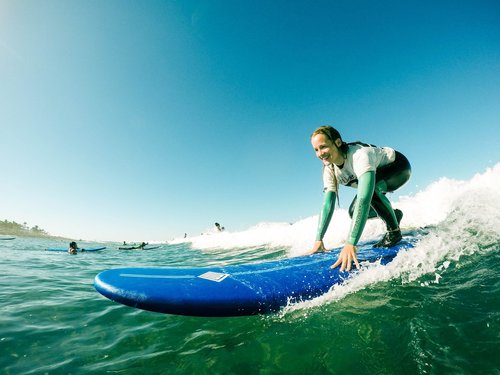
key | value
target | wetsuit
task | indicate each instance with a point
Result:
(374, 171)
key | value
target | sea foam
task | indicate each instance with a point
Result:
(461, 218)
(429, 207)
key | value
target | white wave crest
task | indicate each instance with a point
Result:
(430, 206)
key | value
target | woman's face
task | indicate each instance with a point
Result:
(326, 150)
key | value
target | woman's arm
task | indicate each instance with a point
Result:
(324, 220)
(326, 214)
(366, 187)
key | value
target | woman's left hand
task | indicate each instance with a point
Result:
(346, 257)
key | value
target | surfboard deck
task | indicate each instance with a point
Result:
(247, 289)
(79, 249)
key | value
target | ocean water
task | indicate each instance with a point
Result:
(434, 310)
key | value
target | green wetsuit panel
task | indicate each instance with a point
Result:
(366, 187)
(326, 214)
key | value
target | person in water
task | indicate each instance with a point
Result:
(73, 248)
(374, 171)
(219, 228)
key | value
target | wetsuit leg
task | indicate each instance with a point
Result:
(388, 178)
(380, 207)
(395, 174)
(384, 210)
(372, 214)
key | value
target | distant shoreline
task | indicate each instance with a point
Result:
(11, 228)
(31, 235)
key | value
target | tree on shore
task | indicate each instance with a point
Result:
(13, 228)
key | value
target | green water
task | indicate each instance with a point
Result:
(437, 316)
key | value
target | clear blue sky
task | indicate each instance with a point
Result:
(131, 120)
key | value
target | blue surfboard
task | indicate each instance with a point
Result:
(248, 289)
(7, 238)
(79, 249)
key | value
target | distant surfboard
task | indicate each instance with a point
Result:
(138, 248)
(7, 238)
(246, 289)
(79, 249)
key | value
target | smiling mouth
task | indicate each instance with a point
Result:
(325, 160)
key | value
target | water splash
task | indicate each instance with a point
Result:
(461, 218)
(428, 207)
(467, 223)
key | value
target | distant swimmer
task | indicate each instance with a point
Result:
(374, 171)
(73, 248)
(219, 228)
(142, 245)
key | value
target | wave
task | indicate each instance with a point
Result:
(477, 198)
(463, 226)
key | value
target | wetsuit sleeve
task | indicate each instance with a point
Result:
(326, 214)
(366, 186)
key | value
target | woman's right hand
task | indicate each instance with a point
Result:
(318, 246)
